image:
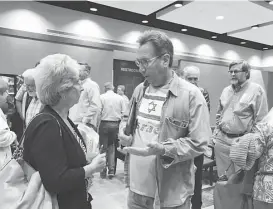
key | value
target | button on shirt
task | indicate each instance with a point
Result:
(241, 108)
(89, 106)
(113, 106)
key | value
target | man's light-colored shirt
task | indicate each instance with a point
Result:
(33, 109)
(126, 100)
(113, 106)
(7, 137)
(89, 106)
(20, 93)
(147, 130)
(240, 109)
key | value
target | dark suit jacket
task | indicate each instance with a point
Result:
(51, 148)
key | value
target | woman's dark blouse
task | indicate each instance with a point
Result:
(52, 149)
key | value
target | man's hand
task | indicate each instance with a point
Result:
(124, 139)
(153, 148)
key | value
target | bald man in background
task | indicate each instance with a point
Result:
(192, 74)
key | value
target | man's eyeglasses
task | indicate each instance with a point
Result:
(192, 79)
(146, 62)
(235, 71)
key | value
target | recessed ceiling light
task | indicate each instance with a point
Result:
(243, 42)
(214, 37)
(271, 2)
(265, 48)
(184, 29)
(93, 9)
(255, 27)
(219, 17)
(145, 21)
(178, 5)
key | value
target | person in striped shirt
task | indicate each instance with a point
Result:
(257, 145)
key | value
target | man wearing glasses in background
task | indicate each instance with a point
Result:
(30, 104)
(241, 106)
(171, 129)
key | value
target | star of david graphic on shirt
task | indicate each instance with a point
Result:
(151, 106)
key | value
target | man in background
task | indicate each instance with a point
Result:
(192, 74)
(27, 103)
(112, 111)
(88, 108)
(7, 137)
(121, 92)
(242, 104)
(20, 95)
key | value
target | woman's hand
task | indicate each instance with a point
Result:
(90, 157)
(97, 164)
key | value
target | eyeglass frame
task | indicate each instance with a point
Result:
(149, 61)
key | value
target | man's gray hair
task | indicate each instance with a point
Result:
(55, 74)
(160, 41)
(191, 68)
(108, 86)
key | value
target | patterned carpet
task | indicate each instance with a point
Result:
(207, 197)
(111, 194)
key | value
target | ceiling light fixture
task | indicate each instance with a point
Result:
(255, 27)
(265, 48)
(219, 17)
(145, 21)
(271, 2)
(243, 42)
(214, 37)
(93, 9)
(184, 29)
(178, 5)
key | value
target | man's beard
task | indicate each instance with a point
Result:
(234, 82)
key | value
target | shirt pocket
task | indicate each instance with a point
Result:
(175, 128)
(243, 107)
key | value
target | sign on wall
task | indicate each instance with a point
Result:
(126, 73)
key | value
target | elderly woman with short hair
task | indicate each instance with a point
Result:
(53, 145)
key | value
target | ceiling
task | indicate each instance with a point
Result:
(224, 21)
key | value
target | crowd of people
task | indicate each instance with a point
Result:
(164, 129)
